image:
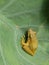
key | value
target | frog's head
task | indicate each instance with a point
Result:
(31, 34)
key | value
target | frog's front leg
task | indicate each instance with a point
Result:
(23, 42)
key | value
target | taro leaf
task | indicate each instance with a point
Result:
(16, 16)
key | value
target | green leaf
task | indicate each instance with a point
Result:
(16, 16)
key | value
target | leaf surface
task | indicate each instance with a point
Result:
(16, 16)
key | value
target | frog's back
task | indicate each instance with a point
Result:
(34, 44)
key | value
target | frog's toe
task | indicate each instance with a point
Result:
(23, 36)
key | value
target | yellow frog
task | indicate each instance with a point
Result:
(30, 43)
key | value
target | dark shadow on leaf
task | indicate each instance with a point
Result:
(26, 36)
(45, 13)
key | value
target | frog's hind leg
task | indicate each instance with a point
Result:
(27, 49)
(22, 41)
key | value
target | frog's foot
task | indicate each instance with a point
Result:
(27, 49)
(23, 40)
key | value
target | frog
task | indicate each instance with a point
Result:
(30, 42)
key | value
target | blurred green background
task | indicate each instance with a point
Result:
(16, 16)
